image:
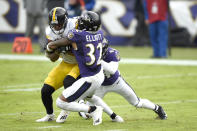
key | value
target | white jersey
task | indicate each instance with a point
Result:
(50, 35)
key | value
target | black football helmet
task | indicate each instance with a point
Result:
(58, 20)
(89, 21)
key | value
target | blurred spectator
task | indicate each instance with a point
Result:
(54, 3)
(35, 16)
(76, 7)
(156, 13)
(141, 37)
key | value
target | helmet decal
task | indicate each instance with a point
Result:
(54, 21)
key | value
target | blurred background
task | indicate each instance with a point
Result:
(122, 20)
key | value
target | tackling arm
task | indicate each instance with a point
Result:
(53, 55)
(55, 44)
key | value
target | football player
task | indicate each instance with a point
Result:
(115, 83)
(67, 71)
(87, 48)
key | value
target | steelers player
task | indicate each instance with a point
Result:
(67, 71)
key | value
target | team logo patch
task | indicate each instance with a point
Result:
(70, 35)
(118, 56)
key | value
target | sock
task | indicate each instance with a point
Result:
(47, 99)
(113, 116)
(92, 108)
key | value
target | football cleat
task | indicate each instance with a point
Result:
(97, 115)
(84, 115)
(62, 116)
(161, 113)
(47, 118)
(117, 119)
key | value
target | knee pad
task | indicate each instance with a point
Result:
(68, 81)
(47, 90)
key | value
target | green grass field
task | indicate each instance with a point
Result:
(173, 87)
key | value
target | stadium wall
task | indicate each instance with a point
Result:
(118, 19)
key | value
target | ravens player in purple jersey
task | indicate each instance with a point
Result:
(87, 48)
(115, 83)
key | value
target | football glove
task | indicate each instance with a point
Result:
(64, 49)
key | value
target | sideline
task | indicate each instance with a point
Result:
(123, 60)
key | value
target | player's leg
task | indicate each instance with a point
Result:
(82, 88)
(125, 90)
(46, 94)
(72, 76)
(79, 90)
(53, 82)
(98, 101)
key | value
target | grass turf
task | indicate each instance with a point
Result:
(173, 87)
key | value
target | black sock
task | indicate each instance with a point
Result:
(47, 99)
(113, 115)
(92, 108)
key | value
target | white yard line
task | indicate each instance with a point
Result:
(119, 106)
(23, 57)
(123, 60)
(45, 127)
(166, 76)
(25, 90)
(117, 130)
(22, 85)
(159, 62)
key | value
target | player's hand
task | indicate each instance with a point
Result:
(51, 47)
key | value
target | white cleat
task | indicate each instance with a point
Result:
(118, 119)
(84, 115)
(47, 118)
(62, 116)
(97, 115)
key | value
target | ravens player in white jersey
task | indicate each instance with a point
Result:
(67, 71)
(114, 82)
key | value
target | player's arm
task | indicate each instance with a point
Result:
(111, 67)
(58, 43)
(110, 60)
(53, 55)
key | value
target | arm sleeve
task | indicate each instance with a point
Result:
(111, 67)
(145, 10)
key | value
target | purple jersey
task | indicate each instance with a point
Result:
(111, 55)
(89, 49)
